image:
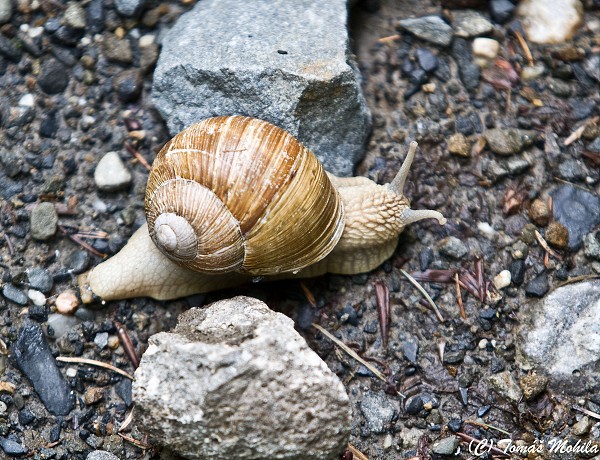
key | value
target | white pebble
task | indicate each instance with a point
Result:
(67, 303)
(502, 279)
(35, 32)
(146, 40)
(486, 230)
(111, 174)
(99, 205)
(27, 101)
(486, 48)
(483, 344)
(36, 297)
(71, 372)
(550, 21)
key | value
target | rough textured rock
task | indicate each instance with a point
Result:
(578, 210)
(111, 174)
(560, 337)
(235, 381)
(288, 65)
(550, 21)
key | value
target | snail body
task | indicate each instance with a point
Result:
(233, 198)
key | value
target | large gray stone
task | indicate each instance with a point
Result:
(234, 380)
(287, 62)
(560, 337)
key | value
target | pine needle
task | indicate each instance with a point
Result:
(357, 453)
(425, 294)
(93, 362)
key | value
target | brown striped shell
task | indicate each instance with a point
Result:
(240, 194)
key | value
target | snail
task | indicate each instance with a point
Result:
(232, 199)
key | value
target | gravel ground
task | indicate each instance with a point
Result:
(75, 85)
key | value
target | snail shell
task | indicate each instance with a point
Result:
(239, 194)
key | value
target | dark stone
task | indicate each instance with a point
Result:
(38, 313)
(128, 85)
(12, 448)
(454, 357)
(26, 417)
(95, 16)
(517, 272)
(55, 432)
(483, 410)
(123, 389)
(14, 294)
(455, 424)
(501, 10)
(538, 286)
(66, 35)
(33, 356)
(371, 327)
(464, 395)
(464, 125)
(578, 210)
(53, 78)
(414, 405)
(594, 146)
(78, 262)
(468, 70)
(40, 279)
(425, 258)
(9, 49)
(582, 108)
(348, 315)
(442, 72)
(427, 60)
(488, 314)
(497, 365)
(410, 348)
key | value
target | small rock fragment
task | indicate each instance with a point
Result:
(40, 279)
(12, 448)
(36, 297)
(93, 395)
(74, 15)
(505, 385)
(557, 235)
(550, 21)
(459, 145)
(509, 141)
(101, 455)
(246, 363)
(12, 293)
(502, 279)
(43, 221)
(128, 85)
(111, 174)
(53, 78)
(429, 28)
(532, 385)
(470, 23)
(453, 247)
(501, 10)
(469, 71)
(117, 50)
(33, 356)
(378, 411)
(67, 303)
(129, 8)
(5, 11)
(487, 48)
(446, 446)
(538, 286)
(591, 246)
(583, 426)
(61, 324)
(577, 210)
(533, 72)
(539, 212)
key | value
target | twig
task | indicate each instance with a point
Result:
(137, 155)
(382, 295)
(357, 453)
(586, 412)
(134, 441)
(76, 239)
(575, 135)
(486, 426)
(309, 295)
(463, 315)
(11, 248)
(350, 351)
(93, 362)
(389, 38)
(525, 47)
(126, 422)
(576, 279)
(127, 344)
(425, 294)
(547, 248)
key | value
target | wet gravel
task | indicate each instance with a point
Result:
(75, 89)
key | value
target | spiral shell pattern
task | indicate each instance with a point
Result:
(240, 194)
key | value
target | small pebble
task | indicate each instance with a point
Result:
(117, 50)
(487, 48)
(12, 448)
(36, 297)
(591, 246)
(78, 262)
(470, 23)
(40, 279)
(43, 221)
(429, 28)
(557, 235)
(427, 60)
(93, 395)
(53, 77)
(61, 324)
(538, 286)
(12, 293)
(128, 85)
(502, 279)
(459, 145)
(453, 247)
(67, 303)
(509, 141)
(539, 212)
(5, 11)
(74, 15)
(517, 272)
(101, 455)
(101, 340)
(582, 427)
(111, 174)
(532, 385)
(27, 101)
(129, 8)
(533, 72)
(578, 210)
(501, 10)
(550, 21)
(446, 446)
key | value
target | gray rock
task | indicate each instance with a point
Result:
(34, 358)
(40, 279)
(560, 337)
(5, 11)
(509, 141)
(446, 446)
(470, 23)
(43, 221)
(453, 247)
(111, 174)
(577, 210)
(129, 7)
(247, 365)
(12, 448)
(289, 65)
(12, 293)
(61, 324)
(429, 28)
(572, 170)
(505, 385)
(592, 66)
(378, 411)
(591, 245)
(594, 146)
(75, 15)
(101, 455)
